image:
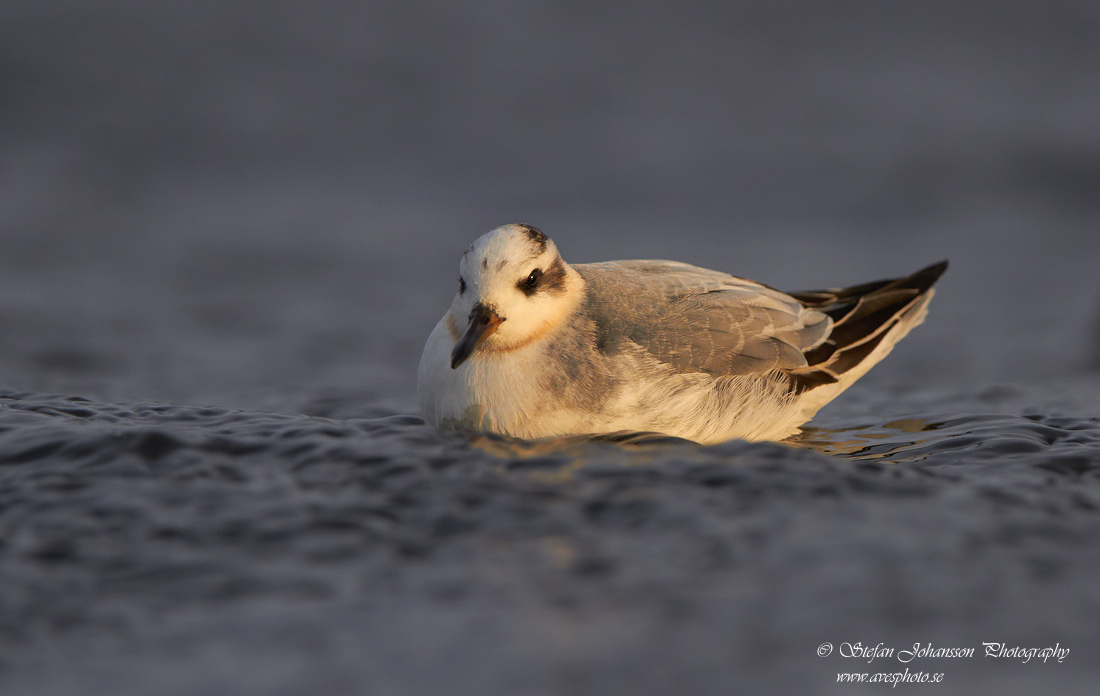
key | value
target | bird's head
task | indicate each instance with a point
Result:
(513, 288)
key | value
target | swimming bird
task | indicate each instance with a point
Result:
(534, 348)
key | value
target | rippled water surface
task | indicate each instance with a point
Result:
(226, 232)
(251, 552)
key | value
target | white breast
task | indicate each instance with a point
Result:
(496, 392)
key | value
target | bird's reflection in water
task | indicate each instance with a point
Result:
(558, 458)
(894, 440)
(897, 440)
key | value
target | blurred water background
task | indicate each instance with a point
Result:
(228, 227)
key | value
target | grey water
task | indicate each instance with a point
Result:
(226, 230)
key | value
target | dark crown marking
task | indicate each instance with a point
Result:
(535, 235)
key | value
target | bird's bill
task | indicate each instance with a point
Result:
(483, 322)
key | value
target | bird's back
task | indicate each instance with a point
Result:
(697, 320)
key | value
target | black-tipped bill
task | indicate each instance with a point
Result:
(483, 322)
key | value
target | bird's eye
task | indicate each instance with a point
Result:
(531, 283)
(461, 285)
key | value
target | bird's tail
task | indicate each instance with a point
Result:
(868, 320)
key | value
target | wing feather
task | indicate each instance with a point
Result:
(697, 320)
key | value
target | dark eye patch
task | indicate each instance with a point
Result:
(553, 280)
(530, 285)
(461, 285)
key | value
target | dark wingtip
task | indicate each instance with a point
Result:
(924, 278)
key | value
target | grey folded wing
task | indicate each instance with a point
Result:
(697, 320)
